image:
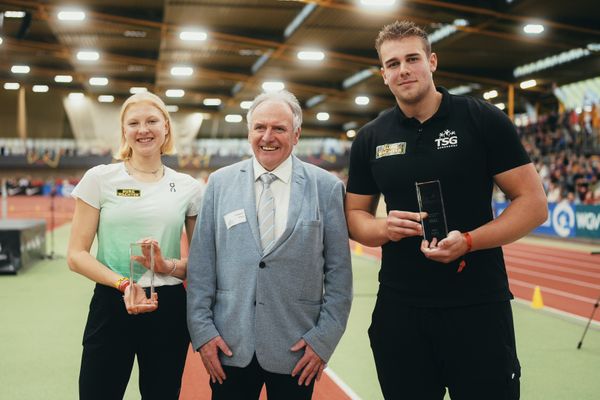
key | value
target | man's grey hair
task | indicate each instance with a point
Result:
(282, 96)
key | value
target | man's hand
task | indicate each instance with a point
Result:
(401, 224)
(310, 364)
(209, 353)
(136, 301)
(447, 250)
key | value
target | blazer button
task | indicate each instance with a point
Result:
(262, 264)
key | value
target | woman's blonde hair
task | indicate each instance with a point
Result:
(152, 99)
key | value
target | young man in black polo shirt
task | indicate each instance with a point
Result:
(439, 322)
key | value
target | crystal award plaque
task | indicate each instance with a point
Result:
(431, 201)
(141, 267)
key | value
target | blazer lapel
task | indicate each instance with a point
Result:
(298, 183)
(249, 200)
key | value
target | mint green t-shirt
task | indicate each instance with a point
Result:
(131, 210)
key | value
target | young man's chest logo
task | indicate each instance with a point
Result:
(446, 139)
(390, 149)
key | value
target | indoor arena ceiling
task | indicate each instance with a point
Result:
(253, 41)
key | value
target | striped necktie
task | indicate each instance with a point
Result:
(266, 212)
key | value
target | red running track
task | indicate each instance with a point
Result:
(569, 280)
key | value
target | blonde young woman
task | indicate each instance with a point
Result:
(137, 199)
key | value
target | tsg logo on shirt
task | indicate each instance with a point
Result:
(446, 139)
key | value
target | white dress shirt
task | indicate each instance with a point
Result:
(280, 188)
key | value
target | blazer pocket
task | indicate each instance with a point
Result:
(311, 222)
(310, 302)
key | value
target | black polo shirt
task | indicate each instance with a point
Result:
(463, 145)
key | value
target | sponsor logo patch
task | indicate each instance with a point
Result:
(446, 139)
(390, 149)
(129, 192)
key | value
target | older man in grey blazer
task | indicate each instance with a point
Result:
(269, 273)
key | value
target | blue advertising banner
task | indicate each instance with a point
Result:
(588, 221)
(561, 220)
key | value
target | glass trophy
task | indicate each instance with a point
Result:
(141, 267)
(431, 201)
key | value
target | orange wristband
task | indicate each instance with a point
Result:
(469, 240)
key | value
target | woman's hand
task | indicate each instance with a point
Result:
(160, 264)
(136, 301)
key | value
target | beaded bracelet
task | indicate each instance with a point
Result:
(174, 266)
(122, 284)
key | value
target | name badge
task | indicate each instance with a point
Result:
(390, 149)
(129, 192)
(235, 217)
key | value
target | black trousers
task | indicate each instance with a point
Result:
(420, 351)
(246, 384)
(112, 338)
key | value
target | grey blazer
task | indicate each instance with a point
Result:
(264, 303)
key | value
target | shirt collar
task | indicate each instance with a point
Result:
(283, 172)
(442, 110)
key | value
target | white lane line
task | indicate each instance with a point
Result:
(567, 295)
(512, 259)
(589, 264)
(342, 385)
(554, 277)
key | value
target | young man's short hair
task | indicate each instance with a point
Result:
(400, 30)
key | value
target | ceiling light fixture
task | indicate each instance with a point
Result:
(233, 118)
(137, 89)
(182, 71)
(106, 98)
(12, 86)
(378, 3)
(273, 86)
(447, 30)
(458, 90)
(175, 93)
(313, 101)
(63, 78)
(310, 55)
(88, 55)
(490, 95)
(20, 69)
(350, 133)
(550, 62)
(40, 88)
(212, 102)
(362, 100)
(193, 35)
(98, 81)
(71, 15)
(172, 108)
(246, 104)
(358, 77)
(14, 14)
(323, 116)
(76, 96)
(135, 34)
(528, 84)
(533, 29)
